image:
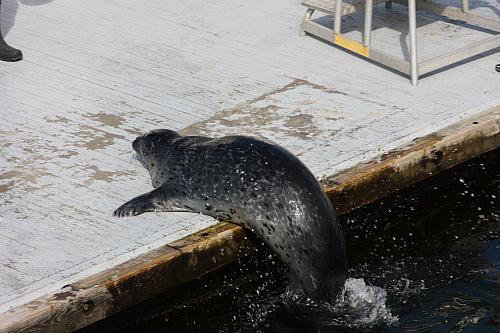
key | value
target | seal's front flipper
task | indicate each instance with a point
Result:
(158, 200)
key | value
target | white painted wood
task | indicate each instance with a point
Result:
(97, 73)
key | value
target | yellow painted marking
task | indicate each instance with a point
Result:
(353, 46)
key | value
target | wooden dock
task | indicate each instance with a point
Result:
(97, 74)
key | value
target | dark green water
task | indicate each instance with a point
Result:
(425, 259)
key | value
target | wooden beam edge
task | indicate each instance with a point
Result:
(413, 162)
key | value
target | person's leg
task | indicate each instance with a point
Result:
(8, 53)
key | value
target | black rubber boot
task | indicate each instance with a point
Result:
(8, 53)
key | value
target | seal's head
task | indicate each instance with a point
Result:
(154, 149)
(152, 142)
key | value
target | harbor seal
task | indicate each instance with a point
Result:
(253, 183)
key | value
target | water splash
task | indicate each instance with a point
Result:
(364, 306)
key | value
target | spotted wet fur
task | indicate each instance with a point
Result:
(253, 183)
